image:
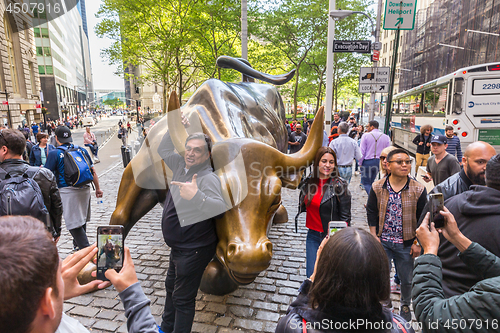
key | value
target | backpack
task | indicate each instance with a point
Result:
(21, 195)
(77, 170)
(119, 135)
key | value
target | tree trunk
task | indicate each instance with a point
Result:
(179, 71)
(164, 93)
(295, 92)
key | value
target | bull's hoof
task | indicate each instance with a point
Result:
(85, 276)
(281, 215)
(216, 280)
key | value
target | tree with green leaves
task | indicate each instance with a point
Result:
(114, 102)
(293, 27)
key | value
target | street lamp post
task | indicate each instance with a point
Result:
(340, 14)
(329, 68)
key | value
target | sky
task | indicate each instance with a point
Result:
(102, 72)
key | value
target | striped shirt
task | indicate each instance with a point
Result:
(454, 148)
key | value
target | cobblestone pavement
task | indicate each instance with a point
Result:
(253, 308)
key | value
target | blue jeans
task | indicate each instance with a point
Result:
(404, 266)
(345, 172)
(313, 240)
(93, 148)
(369, 171)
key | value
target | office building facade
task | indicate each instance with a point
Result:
(19, 79)
(62, 51)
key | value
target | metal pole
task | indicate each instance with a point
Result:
(244, 30)
(329, 68)
(375, 63)
(391, 86)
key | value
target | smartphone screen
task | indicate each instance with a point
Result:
(110, 250)
(437, 205)
(334, 226)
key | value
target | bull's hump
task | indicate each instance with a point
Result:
(239, 110)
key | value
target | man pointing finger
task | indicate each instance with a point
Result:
(193, 201)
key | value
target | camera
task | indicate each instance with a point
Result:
(436, 205)
(110, 250)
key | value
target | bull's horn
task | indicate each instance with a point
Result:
(314, 141)
(178, 133)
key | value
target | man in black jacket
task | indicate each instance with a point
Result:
(12, 146)
(193, 200)
(477, 214)
(474, 162)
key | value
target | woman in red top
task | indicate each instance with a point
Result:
(324, 197)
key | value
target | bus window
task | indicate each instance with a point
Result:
(405, 105)
(458, 96)
(429, 101)
(441, 94)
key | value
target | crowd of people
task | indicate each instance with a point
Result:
(428, 269)
(449, 273)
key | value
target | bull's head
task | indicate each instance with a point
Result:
(252, 176)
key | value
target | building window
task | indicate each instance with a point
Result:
(41, 70)
(32, 78)
(26, 32)
(36, 31)
(46, 51)
(45, 32)
(11, 55)
(49, 70)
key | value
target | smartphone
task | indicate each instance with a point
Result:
(436, 205)
(426, 177)
(109, 250)
(334, 226)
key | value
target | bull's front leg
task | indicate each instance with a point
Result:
(132, 203)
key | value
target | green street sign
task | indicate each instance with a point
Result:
(400, 14)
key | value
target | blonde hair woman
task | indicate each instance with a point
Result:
(383, 158)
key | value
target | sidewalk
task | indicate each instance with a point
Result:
(253, 308)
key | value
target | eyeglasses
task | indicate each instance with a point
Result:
(383, 158)
(400, 162)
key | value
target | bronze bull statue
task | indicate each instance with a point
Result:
(246, 124)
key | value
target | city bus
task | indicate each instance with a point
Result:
(467, 99)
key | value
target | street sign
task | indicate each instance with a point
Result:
(5, 103)
(374, 80)
(400, 14)
(376, 55)
(358, 46)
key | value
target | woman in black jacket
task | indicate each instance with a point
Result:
(350, 278)
(324, 197)
(423, 142)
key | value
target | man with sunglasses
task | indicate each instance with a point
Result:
(193, 201)
(393, 209)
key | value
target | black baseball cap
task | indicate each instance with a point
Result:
(441, 139)
(63, 134)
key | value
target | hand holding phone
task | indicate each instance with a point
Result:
(127, 275)
(426, 178)
(109, 250)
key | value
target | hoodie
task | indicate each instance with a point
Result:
(478, 217)
(336, 319)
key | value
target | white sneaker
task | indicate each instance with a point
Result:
(356, 173)
(96, 160)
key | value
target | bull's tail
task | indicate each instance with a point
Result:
(243, 66)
